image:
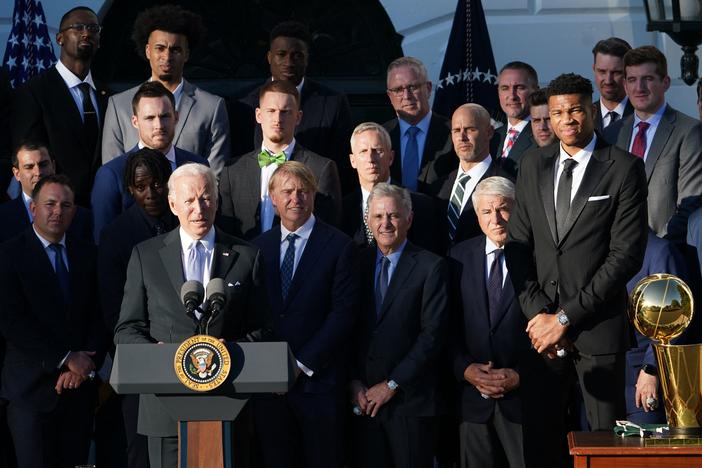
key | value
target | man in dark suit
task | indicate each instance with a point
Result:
(421, 138)
(152, 311)
(243, 188)
(155, 118)
(402, 331)
(325, 125)
(576, 236)
(668, 141)
(51, 324)
(515, 82)
(489, 336)
(30, 163)
(313, 292)
(371, 157)
(608, 69)
(64, 106)
(540, 119)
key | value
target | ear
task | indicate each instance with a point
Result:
(135, 121)
(666, 82)
(258, 115)
(299, 118)
(269, 57)
(15, 172)
(391, 157)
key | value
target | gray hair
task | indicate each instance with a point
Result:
(493, 186)
(399, 194)
(413, 63)
(372, 127)
(192, 170)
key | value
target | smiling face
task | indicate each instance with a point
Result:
(493, 214)
(194, 202)
(609, 77)
(167, 54)
(572, 120)
(53, 210)
(645, 88)
(293, 200)
(156, 120)
(371, 158)
(513, 88)
(389, 223)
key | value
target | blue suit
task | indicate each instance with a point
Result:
(109, 197)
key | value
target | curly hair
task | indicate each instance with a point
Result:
(170, 18)
(156, 163)
(292, 29)
(569, 83)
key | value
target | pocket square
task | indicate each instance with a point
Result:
(598, 198)
(235, 285)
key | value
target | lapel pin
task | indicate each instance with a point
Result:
(226, 254)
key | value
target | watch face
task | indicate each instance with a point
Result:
(562, 319)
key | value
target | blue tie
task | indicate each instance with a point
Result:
(286, 269)
(381, 286)
(61, 271)
(410, 160)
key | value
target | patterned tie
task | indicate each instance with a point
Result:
(639, 146)
(512, 136)
(381, 286)
(410, 160)
(265, 159)
(369, 234)
(613, 117)
(90, 121)
(194, 262)
(286, 268)
(61, 271)
(565, 184)
(456, 203)
(494, 286)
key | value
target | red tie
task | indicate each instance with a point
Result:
(639, 146)
(511, 138)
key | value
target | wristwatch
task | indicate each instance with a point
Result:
(392, 385)
(649, 369)
(562, 318)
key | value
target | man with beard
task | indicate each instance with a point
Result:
(608, 68)
(540, 119)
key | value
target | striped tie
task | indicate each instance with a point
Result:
(456, 203)
(512, 136)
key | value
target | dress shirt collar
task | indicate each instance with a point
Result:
(581, 157)
(207, 241)
(170, 154)
(423, 125)
(490, 246)
(71, 79)
(653, 120)
(177, 92)
(303, 231)
(26, 199)
(477, 171)
(393, 257)
(46, 243)
(298, 87)
(366, 193)
(619, 109)
(288, 150)
(520, 126)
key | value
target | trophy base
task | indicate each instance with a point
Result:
(685, 432)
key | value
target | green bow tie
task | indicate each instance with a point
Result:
(264, 159)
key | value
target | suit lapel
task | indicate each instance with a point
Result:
(315, 245)
(396, 167)
(523, 142)
(505, 302)
(476, 263)
(624, 136)
(399, 278)
(546, 175)
(223, 258)
(186, 104)
(64, 100)
(663, 132)
(171, 256)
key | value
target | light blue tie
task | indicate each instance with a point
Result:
(410, 160)
(194, 264)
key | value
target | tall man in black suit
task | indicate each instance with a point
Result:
(420, 137)
(243, 188)
(51, 324)
(577, 234)
(489, 335)
(608, 69)
(64, 106)
(401, 334)
(312, 284)
(152, 311)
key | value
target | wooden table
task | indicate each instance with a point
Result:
(606, 450)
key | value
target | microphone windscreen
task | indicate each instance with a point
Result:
(192, 290)
(215, 286)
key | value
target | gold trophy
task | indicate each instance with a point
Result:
(661, 308)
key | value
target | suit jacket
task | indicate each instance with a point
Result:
(628, 110)
(240, 191)
(404, 344)
(603, 246)
(15, 220)
(438, 158)
(110, 198)
(152, 310)
(673, 170)
(476, 340)
(38, 327)
(202, 128)
(44, 110)
(525, 142)
(318, 315)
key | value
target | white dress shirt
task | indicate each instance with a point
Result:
(170, 154)
(582, 157)
(606, 119)
(519, 128)
(72, 82)
(267, 208)
(26, 199)
(475, 173)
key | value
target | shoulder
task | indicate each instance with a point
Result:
(115, 165)
(438, 120)
(392, 125)
(335, 235)
(309, 157)
(124, 99)
(682, 120)
(424, 258)
(200, 94)
(241, 246)
(245, 161)
(313, 86)
(467, 247)
(9, 208)
(184, 156)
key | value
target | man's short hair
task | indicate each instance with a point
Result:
(279, 86)
(647, 54)
(294, 169)
(538, 98)
(169, 18)
(65, 16)
(569, 83)
(372, 127)
(613, 46)
(414, 63)
(60, 179)
(193, 170)
(293, 29)
(154, 161)
(151, 89)
(517, 65)
(494, 186)
(399, 194)
(29, 145)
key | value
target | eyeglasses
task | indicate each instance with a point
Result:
(80, 27)
(400, 90)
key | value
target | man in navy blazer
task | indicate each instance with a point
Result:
(490, 337)
(312, 287)
(155, 117)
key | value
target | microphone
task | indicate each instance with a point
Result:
(216, 295)
(191, 294)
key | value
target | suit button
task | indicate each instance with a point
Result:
(553, 282)
(559, 253)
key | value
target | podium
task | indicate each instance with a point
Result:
(204, 417)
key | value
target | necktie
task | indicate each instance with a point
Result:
(410, 160)
(639, 146)
(265, 159)
(286, 269)
(195, 262)
(494, 286)
(381, 286)
(565, 183)
(512, 136)
(613, 117)
(159, 228)
(369, 235)
(456, 203)
(90, 121)
(61, 271)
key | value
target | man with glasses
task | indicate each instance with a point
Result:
(422, 139)
(64, 106)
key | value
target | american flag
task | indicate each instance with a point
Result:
(29, 50)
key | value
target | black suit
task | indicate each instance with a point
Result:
(240, 191)
(438, 158)
(15, 219)
(585, 273)
(525, 141)
(403, 344)
(44, 110)
(628, 110)
(40, 328)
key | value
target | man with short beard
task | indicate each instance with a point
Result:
(608, 69)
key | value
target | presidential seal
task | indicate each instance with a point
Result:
(202, 363)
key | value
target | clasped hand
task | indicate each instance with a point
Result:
(491, 382)
(78, 366)
(545, 332)
(370, 400)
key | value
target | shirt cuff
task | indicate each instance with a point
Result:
(308, 372)
(60, 364)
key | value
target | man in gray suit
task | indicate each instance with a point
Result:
(152, 311)
(164, 36)
(669, 142)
